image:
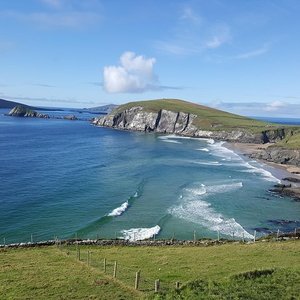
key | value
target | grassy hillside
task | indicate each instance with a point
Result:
(207, 118)
(209, 272)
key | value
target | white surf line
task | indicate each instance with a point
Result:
(139, 234)
(119, 210)
(229, 155)
(193, 208)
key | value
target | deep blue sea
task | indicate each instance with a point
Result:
(65, 178)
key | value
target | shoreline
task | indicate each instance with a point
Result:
(246, 149)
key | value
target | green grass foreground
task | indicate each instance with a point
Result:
(264, 270)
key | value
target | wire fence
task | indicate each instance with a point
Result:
(34, 238)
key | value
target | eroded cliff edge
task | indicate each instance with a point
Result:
(181, 123)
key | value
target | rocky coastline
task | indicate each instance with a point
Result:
(181, 123)
(155, 243)
(25, 112)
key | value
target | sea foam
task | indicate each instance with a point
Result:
(119, 210)
(194, 208)
(139, 234)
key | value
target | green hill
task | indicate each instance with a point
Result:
(207, 118)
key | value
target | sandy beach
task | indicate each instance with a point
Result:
(247, 149)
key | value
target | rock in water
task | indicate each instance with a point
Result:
(70, 117)
(23, 111)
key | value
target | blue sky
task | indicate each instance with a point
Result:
(239, 55)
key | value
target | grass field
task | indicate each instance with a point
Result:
(204, 272)
(207, 118)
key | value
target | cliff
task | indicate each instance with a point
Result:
(279, 155)
(189, 119)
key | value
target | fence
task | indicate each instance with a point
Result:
(34, 239)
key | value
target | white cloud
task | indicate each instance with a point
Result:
(271, 109)
(188, 14)
(133, 75)
(274, 106)
(194, 35)
(264, 49)
(219, 36)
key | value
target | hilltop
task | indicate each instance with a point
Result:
(191, 119)
(12, 104)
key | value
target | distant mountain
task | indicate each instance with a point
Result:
(12, 104)
(104, 109)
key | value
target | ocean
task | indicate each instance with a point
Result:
(63, 179)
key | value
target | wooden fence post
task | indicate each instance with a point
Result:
(88, 258)
(115, 270)
(243, 237)
(4, 241)
(232, 235)
(194, 236)
(156, 285)
(104, 265)
(218, 235)
(277, 235)
(295, 232)
(254, 236)
(137, 280)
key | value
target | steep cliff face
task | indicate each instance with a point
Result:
(181, 123)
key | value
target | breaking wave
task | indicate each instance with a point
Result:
(139, 234)
(119, 210)
(193, 207)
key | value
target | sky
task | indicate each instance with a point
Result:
(240, 56)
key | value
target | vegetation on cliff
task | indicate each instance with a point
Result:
(207, 118)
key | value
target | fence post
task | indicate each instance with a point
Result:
(254, 236)
(115, 270)
(277, 235)
(88, 258)
(243, 237)
(232, 235)
(154, 237)
(295, 232)
(156, 285)
(4, 241)
(137, 280)
(218, 235)
(177, 285)
(194, 236)
(78, 253)
(31, 238)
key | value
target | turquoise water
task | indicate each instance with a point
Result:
(61, 178)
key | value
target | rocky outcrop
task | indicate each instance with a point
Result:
(279, 155)
(181, 123)
(23, 111)
(70, 117)
(287, 190)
